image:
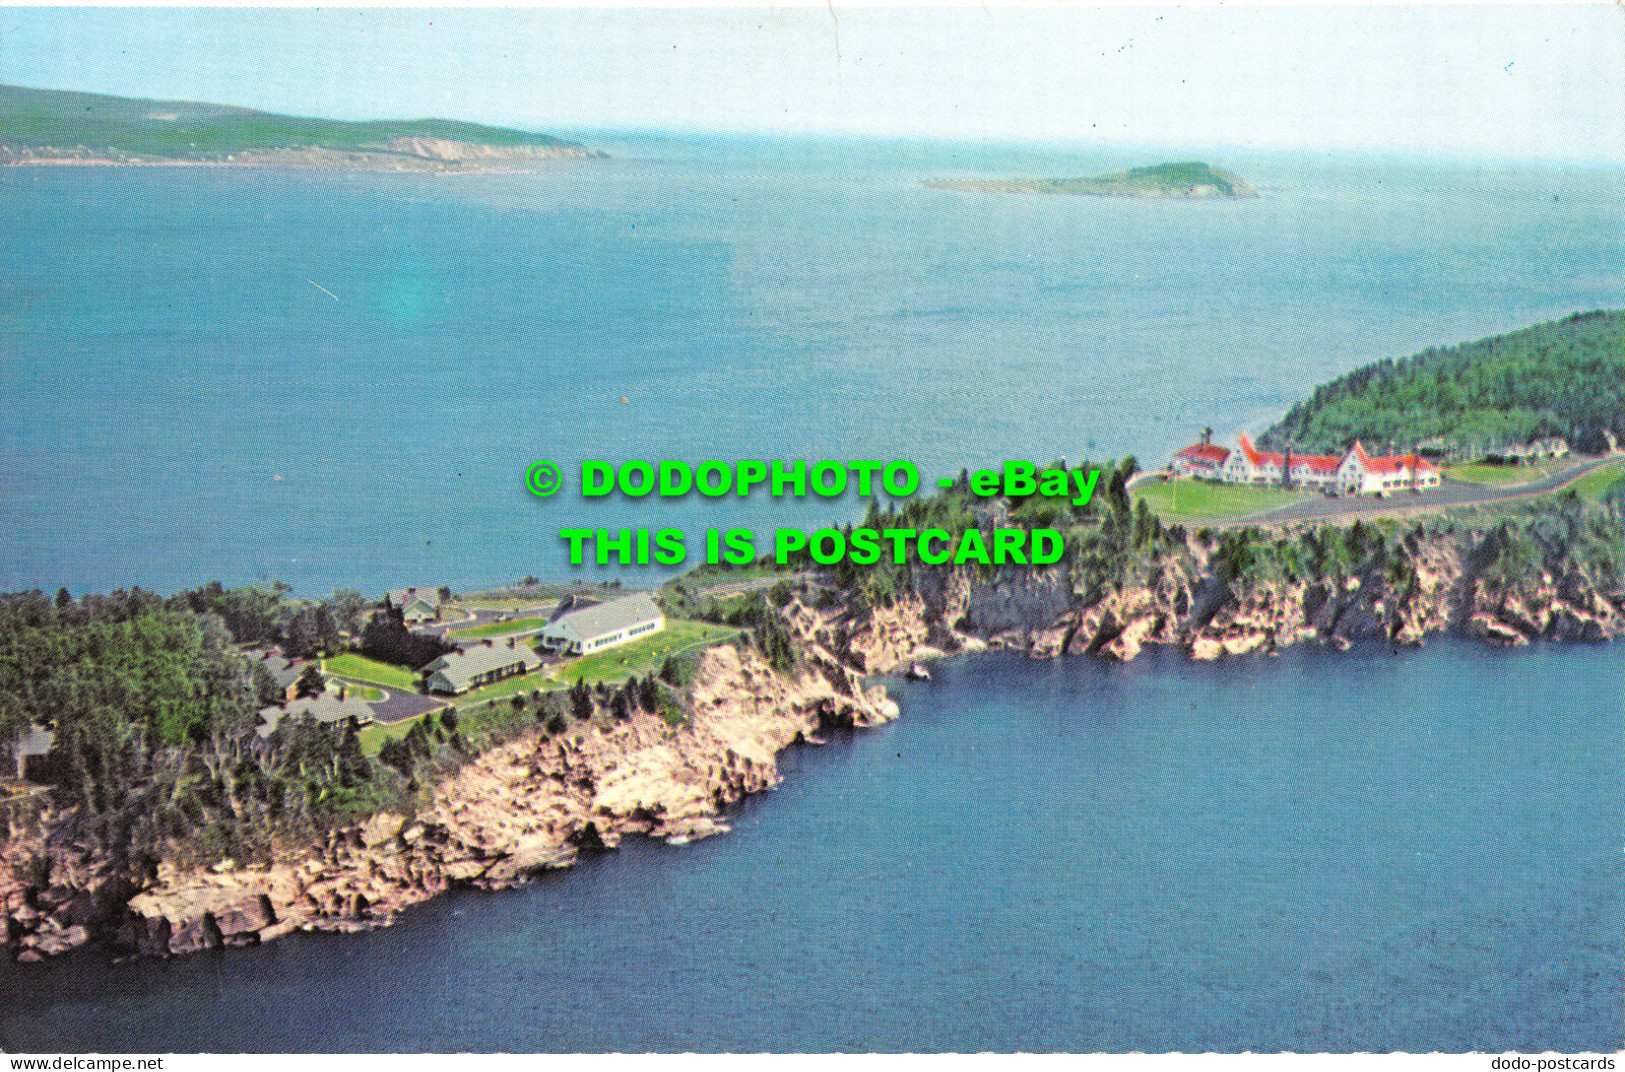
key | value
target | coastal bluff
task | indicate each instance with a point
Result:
(45, 127)
(541, 799)
(535, 803)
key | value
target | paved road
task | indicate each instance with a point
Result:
(1450, 493)
(476, 618)
(401, 706)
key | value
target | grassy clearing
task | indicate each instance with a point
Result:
(1505, 476)
(495, 629)
(477, 713)
(506, 688)
(471, 722)
(373, 735)
(644, 656)
(359, 668)
(1597, 483)
(1186, 500)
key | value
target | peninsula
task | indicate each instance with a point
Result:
(42, 126)
(1184, 181)
(157, 810)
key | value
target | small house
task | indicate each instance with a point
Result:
(482, 664)
(334, 705)
(31, 747)
(285, 672)
(415, 605)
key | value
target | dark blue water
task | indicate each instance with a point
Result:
(1367, 851)
(166, 354)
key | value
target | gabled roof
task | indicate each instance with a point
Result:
(1395, 463)
(1320, 463)
(324, 708)
(284, 671)
(1205, 451)
(609, 617)
(1256, 456)
(1391, 463)
(35, 740)
(480, 659)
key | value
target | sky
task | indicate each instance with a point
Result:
(1541, 83)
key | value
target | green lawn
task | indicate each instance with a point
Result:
(501, 690)
(475, 712)
(644, 656)
(373, 735)
(518, 625)
(640, 657)
(353, 667)
(1598, 482)
(1186, 500)
(1505, 476)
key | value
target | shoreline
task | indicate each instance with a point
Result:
(540, 801)
(533, 804)
(537, 801)
(436, 162)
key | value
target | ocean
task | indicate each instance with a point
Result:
(339, 380)
(1077, 855)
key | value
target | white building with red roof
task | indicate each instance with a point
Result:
(1362, 474)
(1352, 473)
(1200, 460)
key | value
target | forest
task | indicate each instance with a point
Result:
(1565, 378)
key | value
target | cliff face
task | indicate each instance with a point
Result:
(539, 801)
(526, 806)
(1435, 586)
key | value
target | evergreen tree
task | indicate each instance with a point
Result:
(312, 681)
(581, 705)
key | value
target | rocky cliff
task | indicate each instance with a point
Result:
(523, 807)
(539, 801)
(1427, 586)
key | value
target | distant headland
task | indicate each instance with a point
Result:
(1193, 180)
(43, 126)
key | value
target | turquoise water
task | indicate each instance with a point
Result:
(1366, 851)
(180, 401)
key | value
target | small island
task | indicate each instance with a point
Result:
(1184, 181)
(42, 126)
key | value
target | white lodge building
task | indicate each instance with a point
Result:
(604, 626)
(1353, 473)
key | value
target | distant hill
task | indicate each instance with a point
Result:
(45, 126)
(1564, 378)
(1184, 180)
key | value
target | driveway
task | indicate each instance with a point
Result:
(401, 706)
(1450, 493)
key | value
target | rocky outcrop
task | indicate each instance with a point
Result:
(542, 800)
(526, 806)
(1429, 586)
